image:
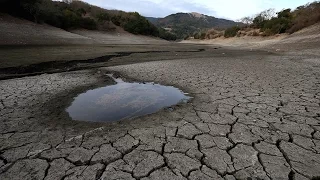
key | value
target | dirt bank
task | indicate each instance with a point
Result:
(15, 31)
(305, 41)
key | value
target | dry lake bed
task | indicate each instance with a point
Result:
(253, 114)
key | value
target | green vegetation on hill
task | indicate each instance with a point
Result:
(188, 24)
(285, 21)
(231, 32)
(70, 14)
(288, 21)
(275, 25)
(305, 16)
(58, 14)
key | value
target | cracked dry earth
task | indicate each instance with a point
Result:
(253, 116)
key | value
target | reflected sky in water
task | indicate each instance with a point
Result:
(123, 101)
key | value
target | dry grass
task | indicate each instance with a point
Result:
(213, 34)
(306, 16)
(248, 32)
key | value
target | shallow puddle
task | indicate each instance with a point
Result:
(124, 101)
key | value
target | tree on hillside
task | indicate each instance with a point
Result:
(246, 20)
(67, 1)
(269, 13)
(262, 17)
(81, 12)
(140, 25)
(103, 17)
(31, 6)
(27, 9)
(286, 13)
(279, 24)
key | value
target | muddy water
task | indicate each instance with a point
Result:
(124, 101)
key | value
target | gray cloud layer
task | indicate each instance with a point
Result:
(231, 9)
(154, 9)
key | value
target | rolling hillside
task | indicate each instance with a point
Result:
(183, 24)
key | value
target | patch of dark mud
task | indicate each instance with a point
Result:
(66, 66)
(54, 109)
(60, 66)
(199, 50)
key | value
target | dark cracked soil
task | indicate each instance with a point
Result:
(254, 115)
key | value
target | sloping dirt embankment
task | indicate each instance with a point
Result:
(305, 41)
(15, 31)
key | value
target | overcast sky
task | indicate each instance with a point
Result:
(230, 9)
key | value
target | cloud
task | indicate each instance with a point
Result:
(155, 8)
(230, 9)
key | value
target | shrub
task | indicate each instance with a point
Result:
(199, 35)
(255, 33)
(259, 21)
(27, 9)
(101, 17)
(286, 13)
(137, 24)
(287, 20)
(267, 32)
(166, 35)
(305, 16)
(88, 23)
(212, 34)
(70, 19)
(203, 35)
(196, 36)
(277, 25)
(116, 20)
(263, 17)
(231, 32)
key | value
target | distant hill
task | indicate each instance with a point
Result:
(152, 19)
(183, 24)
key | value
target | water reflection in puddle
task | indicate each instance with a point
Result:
(124, 101)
